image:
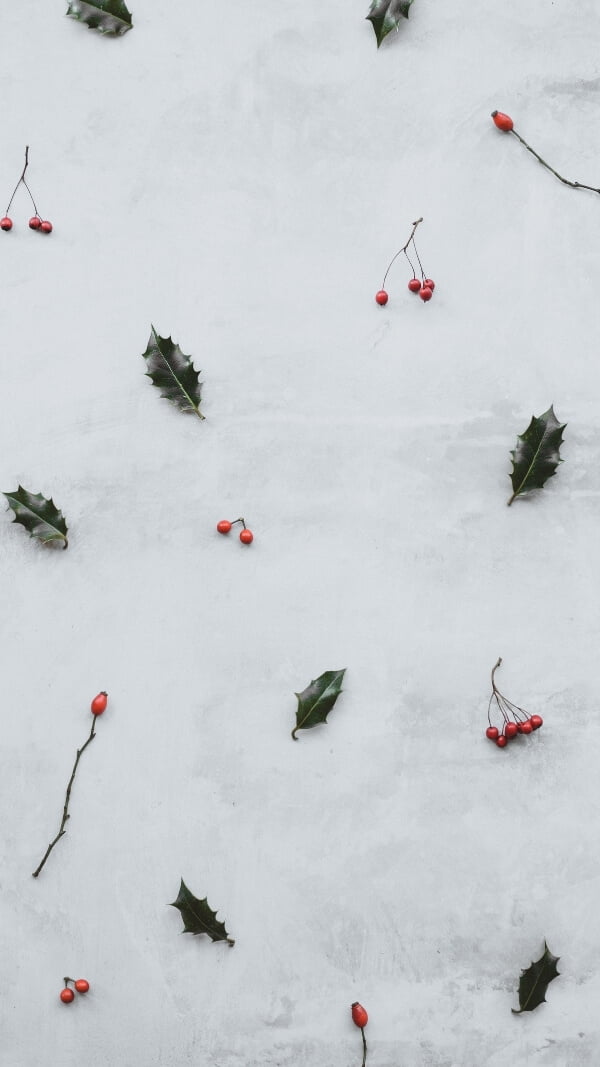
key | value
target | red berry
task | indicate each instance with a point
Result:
(510, 730)
(501, 741)
(359, 1015)
(429, 283)
(246, 537)
(99, 703)
(381, 297)
(526, 727)
(503, 122)
(414, 285)
(492, 732)
(35, 222)
(224, 526)
(425, 293)
(536, 721)
(6, 223)
(81, 985)
(45, 226)
(67, 995)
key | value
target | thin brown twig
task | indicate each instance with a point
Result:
(403, 249)
(65, 814)
(362, 1030)
(565, 181)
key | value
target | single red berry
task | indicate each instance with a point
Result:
(81, 985)
(425, 292)
(45, 226)
(501, 741)
(414, 285)
(246, 536)
(359, 1015)
(503, 122)
(510, 730)
(492, 732)
(35, 222)
(381, 297)
(224, 526)
(99, 703)
(536, 721)
(429, 283)
(6, 223)
(526, 727)
(67, 995)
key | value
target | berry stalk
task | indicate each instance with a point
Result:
(65, 815)
(505, 123)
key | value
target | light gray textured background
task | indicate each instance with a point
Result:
(240, 175)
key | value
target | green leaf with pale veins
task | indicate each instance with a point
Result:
(39, 516)
(198, 917)
(316, 701)
(110, 17)
(173, 373)
(385, 16)
(537, 454)
(534, 982)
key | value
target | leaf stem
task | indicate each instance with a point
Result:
(403, 250)
(65, 814)
(565, 181)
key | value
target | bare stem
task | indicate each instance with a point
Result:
(65, 814)
(494, 669)
(403, 249)
(565, 181)
(362, 1030)
(22, 179)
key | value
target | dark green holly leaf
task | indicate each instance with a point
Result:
(38, 515)
(110, 17)
(385, 16)
(173, 373)
(317, 700)
(535, 981)
(536, 456)
(198, 918)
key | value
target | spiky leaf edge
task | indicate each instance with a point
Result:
(44, 541)
(183, 888)
(381, 33)
(553, 960)
(521, 436)
(88, 18)
(299, 726)
(193, 406)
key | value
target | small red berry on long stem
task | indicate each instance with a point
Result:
(505, 123)
(426, 293)
(360, 1019)
(35, 222)
(67, 995)
(381, 297)
(6, 224)
(99, 703)
(82, 985)
(102, 700)
(224, 526)
(414, 285)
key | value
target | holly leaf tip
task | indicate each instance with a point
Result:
(534, 981)
(316, 701)
(198, 917)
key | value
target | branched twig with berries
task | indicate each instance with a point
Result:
(424, 287)
(505, 123)
(98, 706)
(514, 719)
(36, 222)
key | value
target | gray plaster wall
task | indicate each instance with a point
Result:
(240, 176)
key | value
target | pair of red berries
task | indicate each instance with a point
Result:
(35, 223)
(246, 535)
(80, 984)
(424, 289)
(512, 729)
(99, 703)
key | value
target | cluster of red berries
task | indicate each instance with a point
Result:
(424, 287)
(80, 984)
(36, 222)
(515, 720)
(246, 535)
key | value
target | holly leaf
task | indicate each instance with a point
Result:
(173, 373)
(38, 515)
(198, 918)
(535, 981)
(385, 16)
(317, 700)
(536, 456)
(110, 17)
